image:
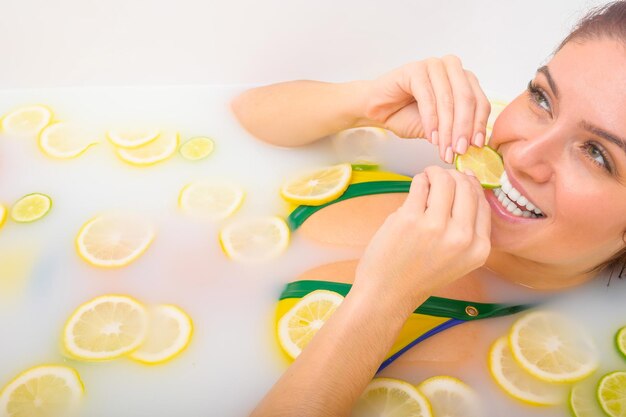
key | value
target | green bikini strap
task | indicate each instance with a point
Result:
(433, 306)
(301, 213)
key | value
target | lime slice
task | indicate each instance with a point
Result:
(197, 148)
(31, 207)
(365, 167)
(620, 340)
(583, 401)
(612, 394)
(484, 162)
(388, 397)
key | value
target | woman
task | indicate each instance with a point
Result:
(563, 143)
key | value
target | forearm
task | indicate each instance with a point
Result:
(339, 362)
(299, 112)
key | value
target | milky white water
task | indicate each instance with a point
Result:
(233, 358)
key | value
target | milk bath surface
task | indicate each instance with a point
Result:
(233, 358)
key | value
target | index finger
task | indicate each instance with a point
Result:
(418, 194)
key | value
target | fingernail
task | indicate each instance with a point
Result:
(461, 145)
(479, 139)
(434, 138)
(449, 155)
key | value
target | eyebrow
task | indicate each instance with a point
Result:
(604, 134)
(545, 71)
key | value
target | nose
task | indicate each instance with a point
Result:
(535, 157)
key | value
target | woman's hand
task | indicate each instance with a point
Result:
(436, 99)
(439, 234)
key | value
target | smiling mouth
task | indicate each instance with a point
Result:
(514, 202)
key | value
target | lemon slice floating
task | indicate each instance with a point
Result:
(42, 391)
(620, 338)
(155, 151)
(64, 140)
(210, 200)
(298, 326)
(612, 394)
(359, 145)
(484, 162)
(197, 148)
(114, 240)
(255, 240)
(551, 347)
(518, 383)
(31, 207)
(169, 334)
(106, 327)
(26, 120)
(451, 397)
(319, 186)
(132, 138)
(3, 215)
(583, 401)
(388, 397)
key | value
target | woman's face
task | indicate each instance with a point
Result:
(563, 145)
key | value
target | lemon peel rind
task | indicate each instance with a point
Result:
(149, 138)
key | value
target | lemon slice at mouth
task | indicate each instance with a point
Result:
(26, 120)
(31, 207)
(197, 148)
(42, 391)
(612, 394)
(64, 140)
(319, 186)
(451, 397)
(485, 163)
(302, 322)
(114, 240)
(169, 334)
(210, 200)
(552, 347)
(132, 138)
(388, 397)
(106, 327)
(158, 150)
(255, 239)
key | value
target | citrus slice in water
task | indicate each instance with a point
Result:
(388, 397)
(169, 333)
(27, 120)
(42, 391)
(583, 401)
(319, 186)
(518, 383)
(155, 151)
(298, 326)
(3, 215)
(132, 138)
(114, 240)
(256, 239)
(485, 163)
(64, 140)
(612, 394)
(106, 327)
(552, 347)
(31, 207)
(197, 148)
(450, 397)
(360, 145)
(620, 339)
(210, 200)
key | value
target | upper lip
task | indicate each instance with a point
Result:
(516, 184)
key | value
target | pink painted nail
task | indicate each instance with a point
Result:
(479, 139)
(449, 155)
(461, 145)
(434, 138)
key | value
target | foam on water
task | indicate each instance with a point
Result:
(233, 358)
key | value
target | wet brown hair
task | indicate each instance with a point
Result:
(606, 21)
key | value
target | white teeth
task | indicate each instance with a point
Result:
(508, 195)
(522, 201)
(514, 194)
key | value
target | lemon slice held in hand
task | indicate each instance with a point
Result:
(31, 207)
(319, 186)
(485, 163)
(388, 397)
(451, 397)
(132, 138)
(42, 391)
(210, 200)
(158, 150)
(255, 239)
(197, 148)
(27, 120)
(64, 140)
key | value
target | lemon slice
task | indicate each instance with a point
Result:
(132, 138)
(583, 401)
(255, 240)
(518, 383)
(620, 337)
(496, 108)
(26, 120)
(3, 215)
(319, 186)
(64, 140)
(210, 200)
(158, 150)
(451, 397)
(114, 240)
(298, 326)
(106, 327)
(551, 347)
(484, 162)
(31, 207)
(42, 391)
(359, 145)
(612, 394)
(169, 333)
(197, 148)
(388, 397)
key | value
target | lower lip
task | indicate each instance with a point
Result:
(503, 213)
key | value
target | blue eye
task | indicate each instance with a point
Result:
(597, 155)
(538, 96)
